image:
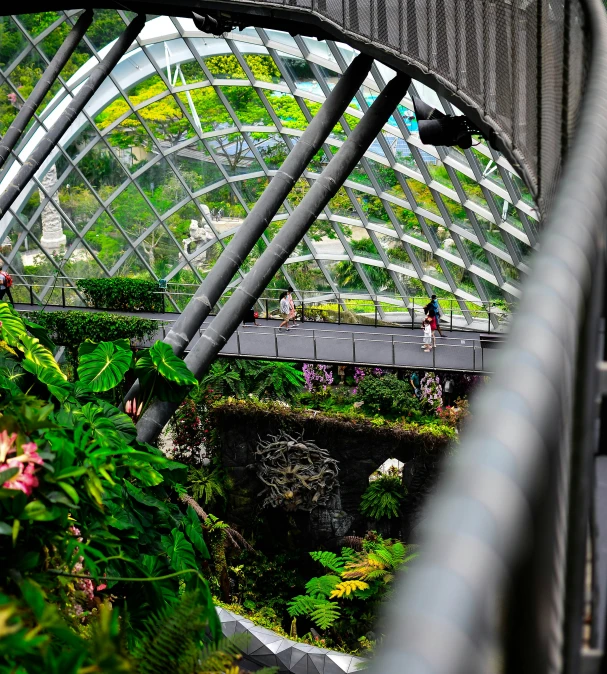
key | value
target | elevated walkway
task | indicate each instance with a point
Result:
(364, 345)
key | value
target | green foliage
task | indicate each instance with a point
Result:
(121, 294)
(91, 526)
(342, 602)
(208, 484)
(105, 366)
(72, 328)
(387, 394)
(163, 374)
(382, 497)
(237, 377)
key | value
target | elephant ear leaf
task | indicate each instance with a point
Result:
(41, 333)
(170, 366)
(53, 380)
(13, 328)
(104, 368)
(39, 355)
(155, 383)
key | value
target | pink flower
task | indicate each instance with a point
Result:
(7, 445)
(24, 480)
(101, 587)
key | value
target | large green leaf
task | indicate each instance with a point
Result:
(105, 367)
(154, 383)
(13, 328)
(38, 354)
(170, 366)
(88, 346)
(193, 530)
(41, 333)
(48, 376)
(121, 421)
(179, 550)
(98, 420)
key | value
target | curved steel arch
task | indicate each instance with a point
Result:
(135, 67)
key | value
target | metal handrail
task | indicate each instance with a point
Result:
(501, 575)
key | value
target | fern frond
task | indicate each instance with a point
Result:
(329, 560)
(219, 657)
(170, 641)
(325, 614)
(347, 587)
(322, 586)
(303, 604)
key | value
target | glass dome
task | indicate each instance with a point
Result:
(174, 149)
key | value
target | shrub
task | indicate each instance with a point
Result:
(71, 328)
(382, 497)
(122, 294)
(386, 395)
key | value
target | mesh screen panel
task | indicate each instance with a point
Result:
(505, 58)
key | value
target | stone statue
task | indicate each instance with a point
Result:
(53, 237)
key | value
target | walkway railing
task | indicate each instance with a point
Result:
(362, 348)
(347, 308)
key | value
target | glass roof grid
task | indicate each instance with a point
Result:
(235, 188)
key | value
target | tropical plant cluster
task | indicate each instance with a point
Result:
(383, 497)
(122, 294)
(343, 602)
(104, 559)
(71, 328)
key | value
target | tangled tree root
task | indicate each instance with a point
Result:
(297, 473)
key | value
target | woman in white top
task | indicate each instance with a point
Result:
(285, 312)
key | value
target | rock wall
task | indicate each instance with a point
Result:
(359, 447)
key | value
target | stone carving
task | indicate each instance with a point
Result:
(53, 237)
(268, 649)
(199, 235)
(297, 473)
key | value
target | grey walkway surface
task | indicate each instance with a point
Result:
(356, 344)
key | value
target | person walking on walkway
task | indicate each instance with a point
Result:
(427, 327)
(285, 312)
(292, 312)
(5, 285)
(434, 306)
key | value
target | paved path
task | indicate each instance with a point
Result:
(357, 344)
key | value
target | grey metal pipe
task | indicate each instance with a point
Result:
(254, 225)
(50, 140)
(49, 77)
(254, 283)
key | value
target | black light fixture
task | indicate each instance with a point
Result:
(436, 128)
(214, 24)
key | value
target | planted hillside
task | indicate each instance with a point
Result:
(106, 563)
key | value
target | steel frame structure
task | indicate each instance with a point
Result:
(488, 249)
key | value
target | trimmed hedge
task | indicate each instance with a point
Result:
(122, 294)
(71, 328)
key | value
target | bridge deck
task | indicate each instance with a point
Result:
(328, 342)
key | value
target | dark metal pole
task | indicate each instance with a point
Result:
(50, 140)
(268, 204)
(254, 283)
(272, 198)
(49, 77)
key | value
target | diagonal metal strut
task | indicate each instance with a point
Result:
(49, 77)
(52, 137)
(272, 198)
(283, 244)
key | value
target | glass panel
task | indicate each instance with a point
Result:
(132, 212)
(211, 112)
(422, 195)
(106, 240)
(161, 186)
(223, 203)
(106, 27)
(224, 66)
(196, 167)
(308, 276)
(247, 105)
(77, 201)
(234, 154)
(12, 41)
(102, 170)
